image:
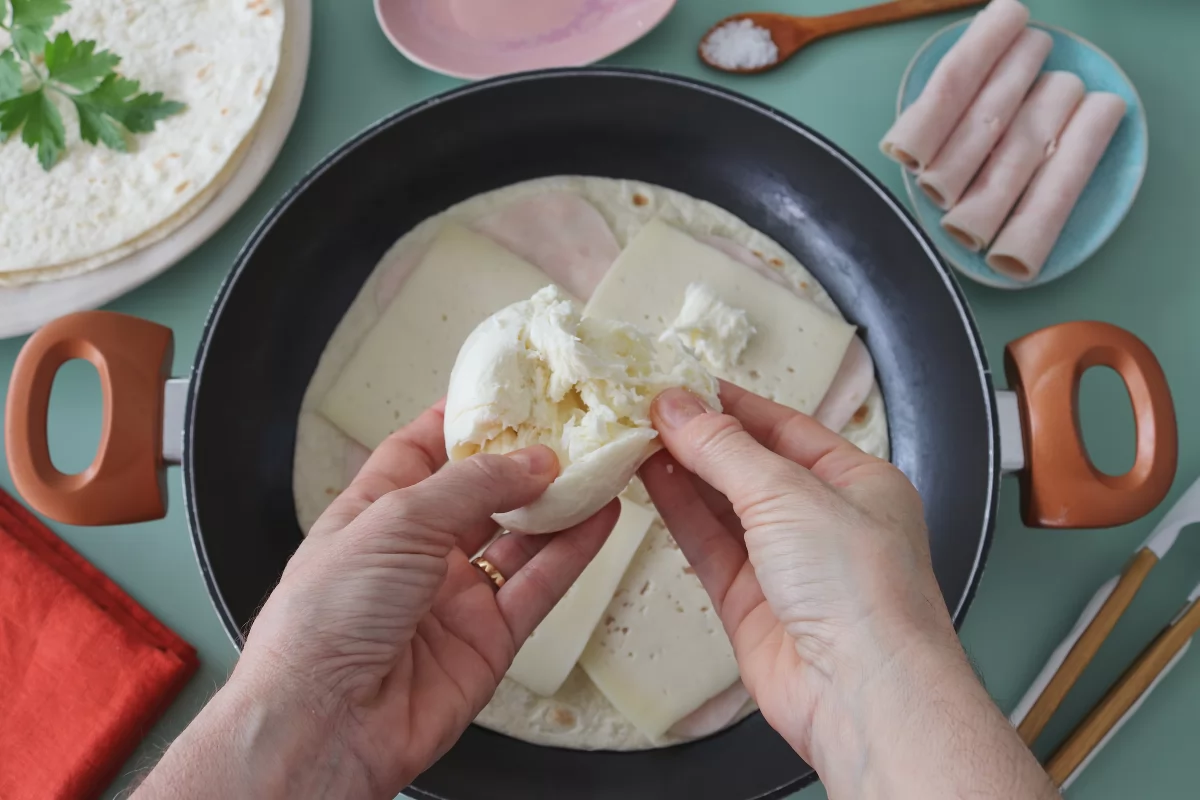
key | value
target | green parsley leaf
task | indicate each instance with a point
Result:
(43, 126)
(78, 65)
(30, 41)
(10, 76)
(37, 13)
(117, 97)
(13, 113)
(95, 127)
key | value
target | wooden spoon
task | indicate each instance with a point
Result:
(790, 33)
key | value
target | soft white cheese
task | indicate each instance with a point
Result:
(537, 372)
(716, 332)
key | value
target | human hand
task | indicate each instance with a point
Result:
(815, 553)
(816, 558)
(380, 621)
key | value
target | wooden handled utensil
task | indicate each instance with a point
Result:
(732, 48)
(1126, 695)
(1076, 651)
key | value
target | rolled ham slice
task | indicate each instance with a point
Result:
(921, 130)
(1025, 145)
(1029, 235)
(986, 118)
(560, 233)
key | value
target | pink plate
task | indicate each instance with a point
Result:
(483, 38)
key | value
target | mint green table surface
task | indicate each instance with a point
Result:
(1147, 279)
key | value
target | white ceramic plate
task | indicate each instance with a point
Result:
(25, 308)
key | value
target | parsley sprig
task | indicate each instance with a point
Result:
(110, 106)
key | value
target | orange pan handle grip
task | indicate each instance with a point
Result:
(1060, 486)
(126, 482)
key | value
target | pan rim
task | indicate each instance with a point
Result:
(262, 229)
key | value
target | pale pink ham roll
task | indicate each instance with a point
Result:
(1029, 235)
(1023, 148)
(924, 126)
(987, 117)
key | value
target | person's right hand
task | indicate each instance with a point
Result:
(815, 554)
(817, 560)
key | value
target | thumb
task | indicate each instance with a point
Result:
(461, 498)
(716, 447)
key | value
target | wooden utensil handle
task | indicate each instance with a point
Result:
(881, 14)
(1121, 697)
(1086, 646)
(126, 481)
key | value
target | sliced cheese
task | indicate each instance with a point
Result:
(796, 348)
(660, 652)
(403, 365)
(550, 653)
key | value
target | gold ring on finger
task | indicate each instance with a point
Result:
(489, 569)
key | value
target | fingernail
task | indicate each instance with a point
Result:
(675, 407)
(538, 460)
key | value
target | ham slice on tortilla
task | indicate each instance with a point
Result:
(715, 715)
(560, 233)
(849, 389)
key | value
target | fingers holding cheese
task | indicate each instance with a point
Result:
(538, 372)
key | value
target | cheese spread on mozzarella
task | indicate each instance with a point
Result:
(797, 349)
(538, 372)
(716, 332)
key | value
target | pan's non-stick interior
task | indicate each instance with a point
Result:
(304, 265)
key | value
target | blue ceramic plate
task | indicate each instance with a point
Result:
(1107, 197)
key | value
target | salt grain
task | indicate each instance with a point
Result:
(740, 44)
(670, 469)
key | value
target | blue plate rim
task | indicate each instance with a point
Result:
(909, 184)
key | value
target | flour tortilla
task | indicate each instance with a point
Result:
(578, 716)
(97, 205)
(155, 234)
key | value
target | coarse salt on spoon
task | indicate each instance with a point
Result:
(759, 41)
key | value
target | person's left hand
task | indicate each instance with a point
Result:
(382, 622)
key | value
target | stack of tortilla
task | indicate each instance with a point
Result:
(97, 206)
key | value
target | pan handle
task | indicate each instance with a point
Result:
(1060, 486)
(126, 481)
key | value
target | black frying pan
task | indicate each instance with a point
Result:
(303, 266)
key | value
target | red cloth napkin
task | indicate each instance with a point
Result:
(84, 670)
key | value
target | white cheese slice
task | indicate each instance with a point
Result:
(660, 652)
(550, 653)
(403, 364)
(796, 349)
